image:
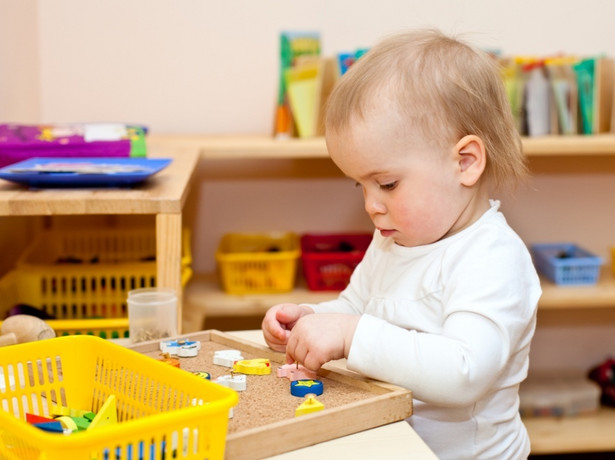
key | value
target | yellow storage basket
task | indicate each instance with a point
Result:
(82, 277)
(258, 263)
(162, 411)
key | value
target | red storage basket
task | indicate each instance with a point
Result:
(329, 259)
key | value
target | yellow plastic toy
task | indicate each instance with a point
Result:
(311, 404)
(259, 366)
(107, 414)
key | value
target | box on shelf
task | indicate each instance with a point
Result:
(566, 263)
(20, 142)
(329, 259)
(82, 373)
(258, 263)
(558, 394)
(81, 278)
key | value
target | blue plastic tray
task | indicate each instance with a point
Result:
(566, 263)
(82, 172)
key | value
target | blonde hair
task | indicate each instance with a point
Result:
(444, 88)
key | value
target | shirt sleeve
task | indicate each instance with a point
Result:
(488, 305)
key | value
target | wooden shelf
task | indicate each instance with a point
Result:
(226, 147)
(584, 433)
(266, 147)
(600, 295)
(204, 293)
(557, 146)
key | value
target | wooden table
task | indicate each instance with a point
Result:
(162, 195)
(396, 440)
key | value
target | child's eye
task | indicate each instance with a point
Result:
(389, 186)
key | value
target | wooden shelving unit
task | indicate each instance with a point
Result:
(260, 146)
(549, 435)
(584, 433)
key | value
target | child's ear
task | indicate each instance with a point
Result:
(472, 158)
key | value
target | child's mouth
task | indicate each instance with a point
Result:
(386, 232)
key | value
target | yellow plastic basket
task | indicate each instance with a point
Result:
(258, 263)
(162, 411)
(82, 277)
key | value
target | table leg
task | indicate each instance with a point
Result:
(169, 255)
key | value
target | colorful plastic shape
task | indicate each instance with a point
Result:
(182, 348)
(295, 372)
(33, 419)
(304, 387)
(311, 404)
(236, 382)
(189, 351)
(67, 422)
(58, 411)
(226, 358)
(202, 374)
(54, 426)
(166, 358)
(258, 366)
(82, 423)
(107, 415)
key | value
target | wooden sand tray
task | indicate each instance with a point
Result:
(264, 422)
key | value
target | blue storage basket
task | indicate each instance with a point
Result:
(566, 263)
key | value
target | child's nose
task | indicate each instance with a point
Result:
(373, 205)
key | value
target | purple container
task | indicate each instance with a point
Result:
(20, 142)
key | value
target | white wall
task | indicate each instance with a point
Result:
(211, 67)
(19, 61)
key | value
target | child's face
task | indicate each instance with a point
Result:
(412, 191)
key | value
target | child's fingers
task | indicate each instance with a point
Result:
(288, 314)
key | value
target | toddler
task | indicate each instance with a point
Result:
(444, 301)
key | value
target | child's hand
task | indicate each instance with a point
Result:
(278, 322)
(317, 339)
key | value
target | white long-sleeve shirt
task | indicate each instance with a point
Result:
(452, 321)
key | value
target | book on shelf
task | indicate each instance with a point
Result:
(561, 95)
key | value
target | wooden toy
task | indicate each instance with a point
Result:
(295, 372)
(82, 423)
(202, 374)
(68, 423)
(258, 366)
(54, 426)
(33, 419)
(227, 357)
(311, 404)
(58, 411)
(236, 382)
(181, 348)
(106, 415)
(26, 328)
(166, 358)
(8, 339)
(189, 350)
(304, 387)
